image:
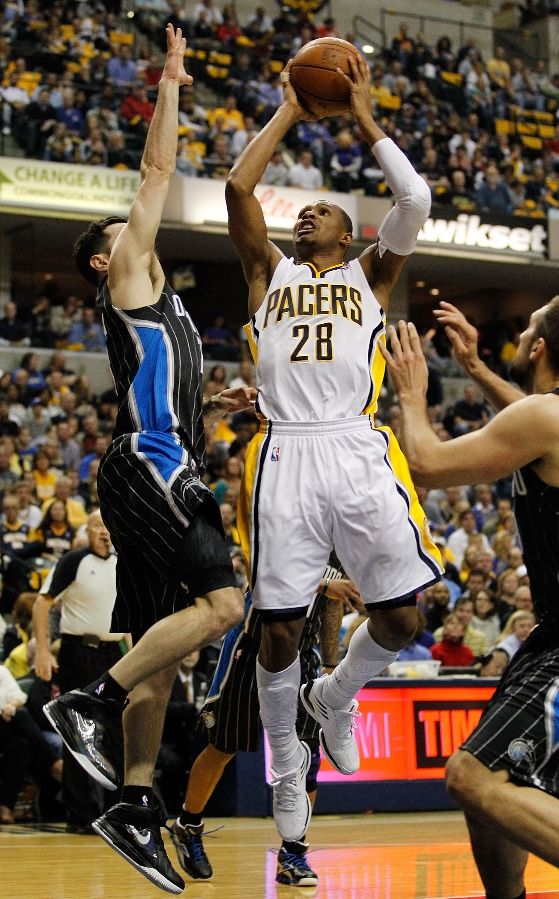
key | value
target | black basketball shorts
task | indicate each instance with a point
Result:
(232, 712)
(519, 729)
(202, 564)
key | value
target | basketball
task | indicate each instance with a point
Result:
(318, 86)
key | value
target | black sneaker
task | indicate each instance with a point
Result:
(190, 850)
(135, 833)
(293, 868)
(92, 731)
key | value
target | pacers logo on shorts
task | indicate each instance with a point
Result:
(275, 453)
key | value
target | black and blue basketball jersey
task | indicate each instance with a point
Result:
(149, 479)
(155, 355)
(536, 509)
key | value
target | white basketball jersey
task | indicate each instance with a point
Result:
(315, 344)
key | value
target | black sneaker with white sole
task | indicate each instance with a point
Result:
(293, 868)
(92, 731)
(135, 833)
(190, 850)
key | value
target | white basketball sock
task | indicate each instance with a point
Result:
(364, 660)
(278, 694)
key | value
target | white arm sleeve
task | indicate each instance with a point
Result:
(399, 229)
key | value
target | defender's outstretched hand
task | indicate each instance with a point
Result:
(406, 362)
(237, 399)
(346, 592)
(174, 69)
(462, 335)
(359, 83)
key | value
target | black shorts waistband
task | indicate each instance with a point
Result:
(92, 641)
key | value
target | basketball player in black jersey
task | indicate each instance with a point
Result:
(173, 564)
(506, 775)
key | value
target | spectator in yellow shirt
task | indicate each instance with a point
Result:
(74, 508)
(44, 476)
(225, 119)
(378, 89)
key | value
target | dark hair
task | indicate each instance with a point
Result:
(47, 517)
(26, 359)
(548, 328)
(22, 611)
(93, 241)
(478, 571)
(484, 660)
(462, 601)
(213, 370)
(490, 597)
(348, 224)
(40, 452)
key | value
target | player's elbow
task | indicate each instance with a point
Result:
(423, 474)
(416, 199)
(236, 185)
(156, 174)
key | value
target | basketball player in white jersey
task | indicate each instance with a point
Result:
(319, 473)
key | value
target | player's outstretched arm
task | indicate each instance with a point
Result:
(526, 431)
(134, 280)
(229, 401)
(384, 261)
(463, 337)
(247, 228)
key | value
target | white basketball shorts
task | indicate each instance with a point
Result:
(342, 484)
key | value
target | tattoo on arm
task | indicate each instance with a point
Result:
(329, 633)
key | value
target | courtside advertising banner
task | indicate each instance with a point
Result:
(408, 732)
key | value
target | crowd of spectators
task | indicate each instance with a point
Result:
(51, 321)
(79, 85)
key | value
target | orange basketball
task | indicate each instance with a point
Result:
(318, 86)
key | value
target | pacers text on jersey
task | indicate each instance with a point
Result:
(319, 298)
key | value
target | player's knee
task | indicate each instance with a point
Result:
(233, 607)
(394, 628)
(459, 778)
(227, 611)
(279, 643)
(283, 635)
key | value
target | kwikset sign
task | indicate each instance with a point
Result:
(487, 233)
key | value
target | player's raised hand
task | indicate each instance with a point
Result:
(406, 362)
(173, 69)
(359, 83)
(462, 335)
(291, 99)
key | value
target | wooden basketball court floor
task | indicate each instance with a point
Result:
(396, 856)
